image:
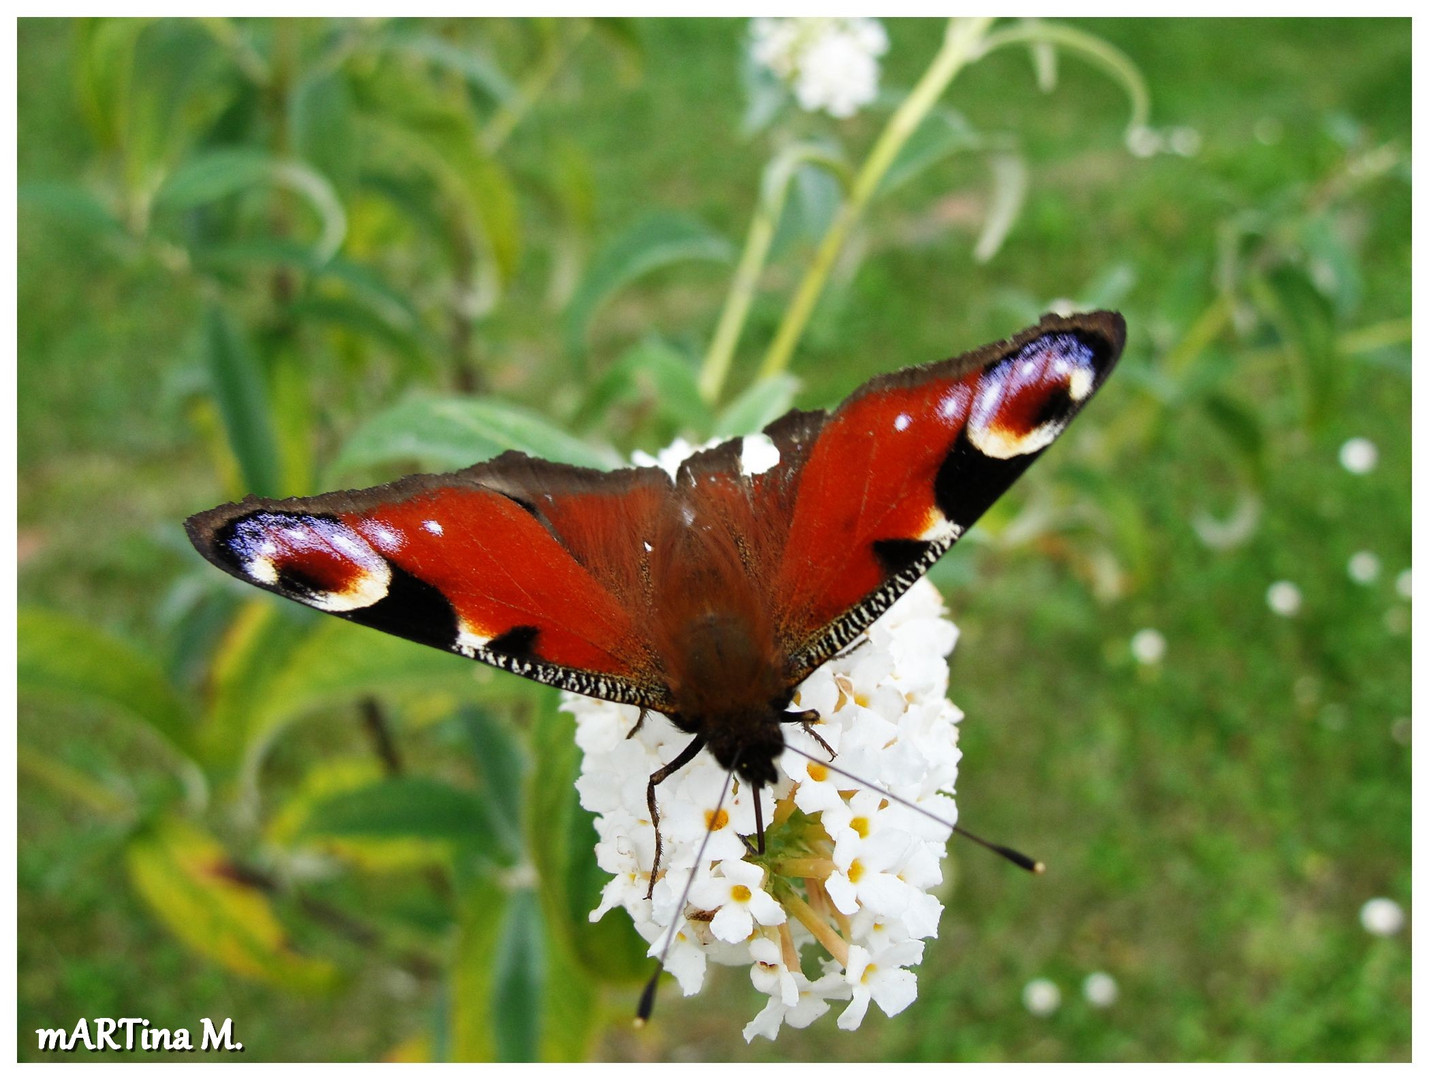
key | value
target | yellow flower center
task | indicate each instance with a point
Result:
(716, 821)
(740, 894)
(867, 972)
(855, 871)
(860, 826)
(817, 772)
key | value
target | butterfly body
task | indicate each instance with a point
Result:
(709, 595)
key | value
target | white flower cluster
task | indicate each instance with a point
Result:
(831, 64)
(844, 869)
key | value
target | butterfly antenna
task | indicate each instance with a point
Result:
(1012, 855)
(647, 996)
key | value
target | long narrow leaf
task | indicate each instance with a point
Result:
(65, 656)
(240, 389)
(451, 433)
(650, 244)
(517, 1001)
(193, 886)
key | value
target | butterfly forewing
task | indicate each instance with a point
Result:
(905, 466)
(453, 562)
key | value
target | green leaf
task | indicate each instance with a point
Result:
(502, 767)
(408, 807)
(943, 133)
(72, 784)
(67, 657)
(517, 1001)
(452, 433)
(1304, 319)
(652, 376)
(218, 174)
(322, 127)
(760, 404)
(335, 663)
(1009, 191)
(480, 915)
(1242, 428)
(654, 242)
(104, 75)
(480, 72)
(443, 142)
(191, 883)
(213, 175)
(239, 388)
(70, 203)
(561, 839)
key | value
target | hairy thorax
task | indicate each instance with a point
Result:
(731, 691)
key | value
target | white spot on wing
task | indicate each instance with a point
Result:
(757, 454)
(261, 568)
(386, 537)
(433, 527)
(468, 639)
(901, 422)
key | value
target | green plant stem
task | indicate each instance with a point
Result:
(961, 44)
(506, 118)
(717, 360)
(774, 190)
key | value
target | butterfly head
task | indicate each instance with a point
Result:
(748, 742)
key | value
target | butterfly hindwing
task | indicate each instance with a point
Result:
(907, 463)
(471, 562)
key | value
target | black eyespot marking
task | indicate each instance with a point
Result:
(895, 556)
(1057, 406)
(411, 609)
(970, 481)
(518, 641)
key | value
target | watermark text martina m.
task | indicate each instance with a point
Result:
(135, 1033)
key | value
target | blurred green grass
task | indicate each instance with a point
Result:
(1212, 824)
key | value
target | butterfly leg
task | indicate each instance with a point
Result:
(638, 722)
(659, 776)
(807, 719)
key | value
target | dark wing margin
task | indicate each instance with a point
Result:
(902, 469)
(474, 562)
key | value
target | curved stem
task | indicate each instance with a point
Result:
(961, 45)
(1112, 59)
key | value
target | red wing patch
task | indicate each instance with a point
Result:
(906, 465)
(445, 562)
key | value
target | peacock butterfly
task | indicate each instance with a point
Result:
(710, 596)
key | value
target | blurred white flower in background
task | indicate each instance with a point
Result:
(1283, 598)
(1404, 583)
(1359, 456)
(1100, 989)
(1148, 646)
(1041, 997)
(1364, 567)
(1382, 917)
(830, 64)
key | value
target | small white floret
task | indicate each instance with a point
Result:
(1100, 990)
(1359, 456)
(1284, 598)
(1382, 917)
(1041, 997)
